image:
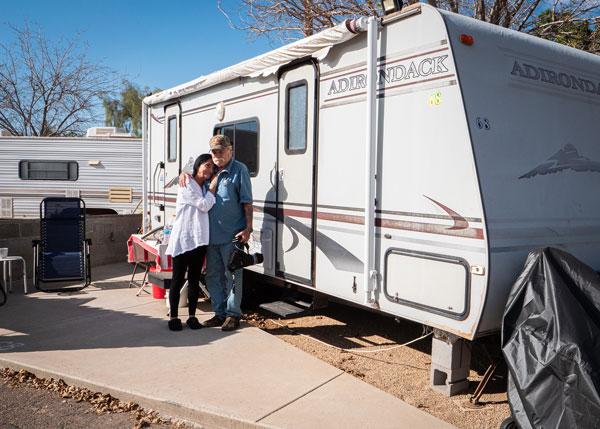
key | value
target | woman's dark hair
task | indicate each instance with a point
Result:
(199, 161)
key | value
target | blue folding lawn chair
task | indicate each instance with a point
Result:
(62, 253)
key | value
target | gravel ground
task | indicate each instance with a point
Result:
(31, 402)
(400, 371)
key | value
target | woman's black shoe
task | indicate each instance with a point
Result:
(193, 323)
(175, 325)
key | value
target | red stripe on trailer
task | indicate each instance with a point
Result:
(423, 227)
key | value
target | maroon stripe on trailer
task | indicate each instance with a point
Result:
(424, 227)
(430, 228)
(160, 198)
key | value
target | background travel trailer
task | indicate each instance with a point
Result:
(104, 169)
(408, 167)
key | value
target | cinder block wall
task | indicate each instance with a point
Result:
(109, 234)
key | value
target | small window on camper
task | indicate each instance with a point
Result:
(244, 137)
(48, 170)
(296, 113)
(172, 139)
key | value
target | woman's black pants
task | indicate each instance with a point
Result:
(190, 262)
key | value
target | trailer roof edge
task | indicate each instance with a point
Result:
(317, 45)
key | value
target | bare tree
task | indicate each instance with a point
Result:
(520, 15)
(48, 89)
(292, 19)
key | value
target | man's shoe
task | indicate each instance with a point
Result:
(193, 323)
(230, 324)
(175, 325)
(213, 322)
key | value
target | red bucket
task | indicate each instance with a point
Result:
(158, 292)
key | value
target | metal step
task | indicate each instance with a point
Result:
(285, 309)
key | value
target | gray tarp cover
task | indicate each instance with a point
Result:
(551, 343)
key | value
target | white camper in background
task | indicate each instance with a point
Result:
(104, 169)
(407, 165)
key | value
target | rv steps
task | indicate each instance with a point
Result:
(286, 309)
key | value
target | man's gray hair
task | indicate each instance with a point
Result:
(219, 141)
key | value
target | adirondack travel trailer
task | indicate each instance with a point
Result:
(407, 165)
(104, 169)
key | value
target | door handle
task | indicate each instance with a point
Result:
(158, 166)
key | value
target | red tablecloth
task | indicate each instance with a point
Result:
(139, 250)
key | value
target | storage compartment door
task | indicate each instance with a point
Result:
(436, 283)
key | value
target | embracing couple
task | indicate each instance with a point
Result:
(214, 208)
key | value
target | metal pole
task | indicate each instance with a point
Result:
(145, 166)
(369, 272)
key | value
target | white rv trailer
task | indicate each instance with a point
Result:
(407, 165)
(104, 169)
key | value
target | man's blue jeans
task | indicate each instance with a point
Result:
(225, 293)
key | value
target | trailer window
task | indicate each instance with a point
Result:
(296, 114)
(172, 139)
(244, 138)
(48, 170)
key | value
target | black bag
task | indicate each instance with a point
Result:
(240, 257)
(551, 343)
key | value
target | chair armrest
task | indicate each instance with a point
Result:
(88, 241)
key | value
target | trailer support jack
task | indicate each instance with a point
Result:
(450, 363)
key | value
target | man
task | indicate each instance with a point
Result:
(230, 219)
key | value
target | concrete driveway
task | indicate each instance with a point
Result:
(105, 338)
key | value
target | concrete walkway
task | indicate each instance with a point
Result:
(107, 339)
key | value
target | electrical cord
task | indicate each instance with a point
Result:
(352, 350)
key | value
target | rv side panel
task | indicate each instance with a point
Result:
(101, 164)
(533, 109)
(429, 213)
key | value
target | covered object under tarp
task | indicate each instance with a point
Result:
(551, 343)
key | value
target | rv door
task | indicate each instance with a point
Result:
(295, 194)
(172, 157)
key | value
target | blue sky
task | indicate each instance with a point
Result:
(154, 43)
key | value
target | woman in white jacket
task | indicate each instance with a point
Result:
(189, 238)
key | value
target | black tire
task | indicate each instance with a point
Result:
(508, 423)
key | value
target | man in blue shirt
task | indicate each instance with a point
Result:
(230, 219)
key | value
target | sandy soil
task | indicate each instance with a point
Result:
(400, 371)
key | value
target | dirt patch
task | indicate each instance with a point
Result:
(32, 402)
(340, 334)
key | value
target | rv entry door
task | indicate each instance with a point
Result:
(295, 190)
(172, 157)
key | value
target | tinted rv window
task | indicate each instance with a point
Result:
(48, 170)
(172, 139)
(296, 118)
(244, 137)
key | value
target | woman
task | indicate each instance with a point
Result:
(189, 238)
